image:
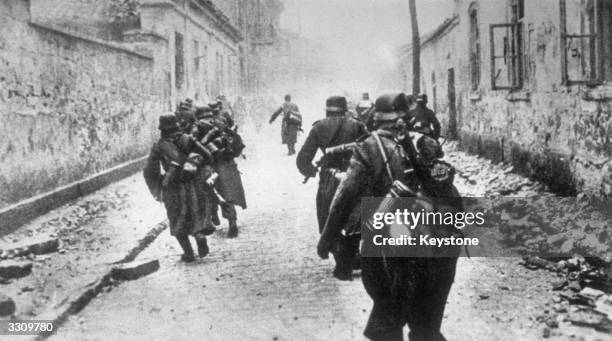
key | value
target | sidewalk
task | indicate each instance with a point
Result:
(93, 232)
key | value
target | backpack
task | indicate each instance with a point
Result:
(294, 118)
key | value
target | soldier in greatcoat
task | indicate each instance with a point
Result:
(291, 123)
(176, 187)
(409, 291)
(335, 129)
(228, 182)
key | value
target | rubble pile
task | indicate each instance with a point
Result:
(522, 210)
(583, 292)
(532, 226)
(494, 179)
(69, 225)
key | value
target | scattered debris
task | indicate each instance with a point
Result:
(591, 293)
(27, 289)
(590, 318)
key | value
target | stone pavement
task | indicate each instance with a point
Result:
(268, 284)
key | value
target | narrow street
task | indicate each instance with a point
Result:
(517, 93)
(268, 284)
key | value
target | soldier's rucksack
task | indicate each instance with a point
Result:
(436, 194)
(294, 118)
(292, 114)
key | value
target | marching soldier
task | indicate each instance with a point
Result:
(291, 124)
(227, 182)
(409, 291)
(334, 130)
(364, 105)
(423, 119)
(176, 188)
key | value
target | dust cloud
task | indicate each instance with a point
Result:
(353, 44)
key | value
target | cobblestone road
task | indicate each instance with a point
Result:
(268, 283)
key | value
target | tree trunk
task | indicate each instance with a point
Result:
(416, 50)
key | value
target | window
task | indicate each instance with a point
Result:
(179, 61)
(586, 40)
(507, 71)
(474, 48)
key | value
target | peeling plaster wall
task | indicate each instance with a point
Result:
(166, 18)
(69, 107)
(552, 132)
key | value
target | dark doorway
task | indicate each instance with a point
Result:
(452, 106)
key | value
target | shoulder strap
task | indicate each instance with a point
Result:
(384, 155)
(335, 134)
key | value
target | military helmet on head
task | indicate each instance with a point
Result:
(168, 124)
(214, 106)
(185, 117)
(185, 106)
(421, 98)
(336, 104)
(390, 106)
(203, 111)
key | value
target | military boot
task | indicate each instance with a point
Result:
(202, 243)
(344, 262)
(188, 255)
(215, 218)
(232, 232)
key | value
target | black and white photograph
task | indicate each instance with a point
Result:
(306, 170)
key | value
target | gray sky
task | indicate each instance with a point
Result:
(363, 33)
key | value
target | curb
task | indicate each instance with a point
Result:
(16, 215)
(78, 302)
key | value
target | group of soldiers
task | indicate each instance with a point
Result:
(390, 146)
(196, 151)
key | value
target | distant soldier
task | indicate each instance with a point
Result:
(364, 105)
(334, 130)
(176, 187)
(409, 291)
(291, 124)
(423, 119)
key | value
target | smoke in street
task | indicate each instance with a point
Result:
(359, 38)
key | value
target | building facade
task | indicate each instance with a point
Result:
(527, 83)
(82, 82)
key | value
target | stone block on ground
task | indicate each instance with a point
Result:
(15, 268)
(590, 318)
(134, 270)
(7, 305)
(36, 246)
(44, 246)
